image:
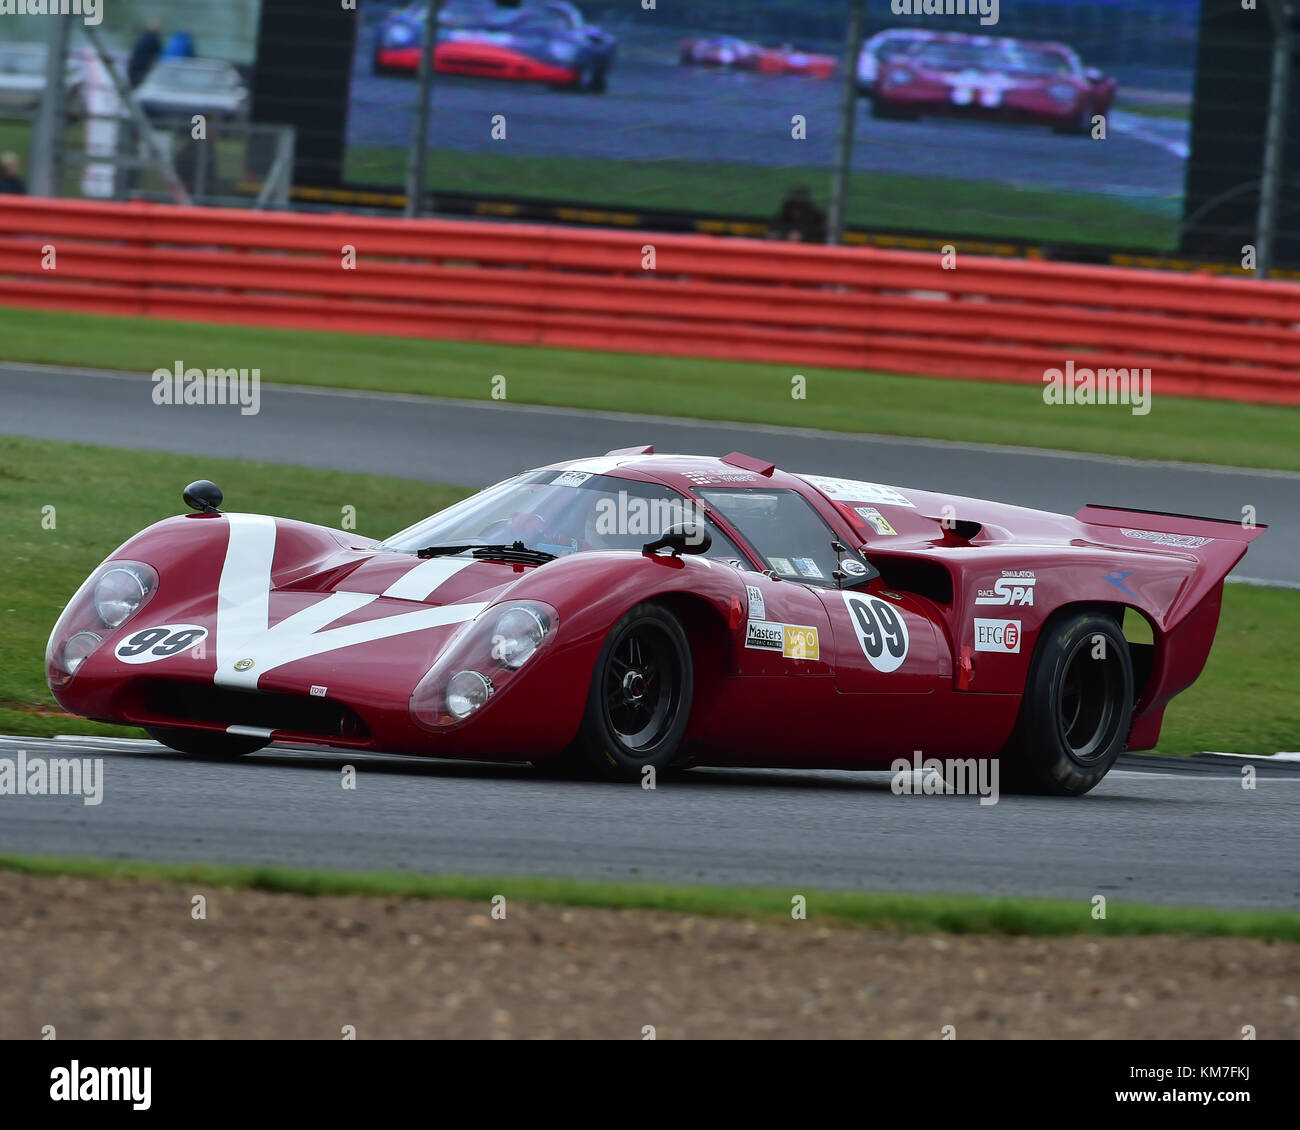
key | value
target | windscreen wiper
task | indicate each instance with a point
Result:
(516, 551)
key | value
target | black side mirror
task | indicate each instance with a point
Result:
(681, 539)
(203, 496)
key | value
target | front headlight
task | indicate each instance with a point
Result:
(518, 634)
(898, 78)
(564, 52)
(78, 649)
(467, 691)
(120, 592)
(1062, 93)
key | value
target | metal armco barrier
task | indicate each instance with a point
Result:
(787, 303)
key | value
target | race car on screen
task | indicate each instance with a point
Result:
(728, 51)
(540, 41)
(644, 610)
(992, 78)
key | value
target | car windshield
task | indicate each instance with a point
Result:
(953, 56)
(562, 512)
(792, 538)
(1036, 62)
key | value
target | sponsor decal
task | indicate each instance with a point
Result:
(998, 635)
(1117, 579)
(800, 642)
(244, 665)
(148, 645)
(881, 630)
(855, 491)
(1183, 541)
(571, 479)
(757, 607)
(853, 567)
(764, 635)
(1013, 587)
(806, 566)
(876, 520)
(794, 641)
(703, 478)
(319, 692)
(781, 565)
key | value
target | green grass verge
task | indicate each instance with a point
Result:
(1248, 435)
(911, 913)
(1169, 111)
(878, 201)
(1243, 702)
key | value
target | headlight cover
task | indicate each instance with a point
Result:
(480, 661)
(108, 598)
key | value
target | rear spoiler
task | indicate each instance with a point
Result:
(1216, 545)
(1177, 531)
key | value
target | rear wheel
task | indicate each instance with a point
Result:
(206, 743)
(640, 698)
(1077, 707)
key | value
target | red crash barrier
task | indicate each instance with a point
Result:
(693, 296)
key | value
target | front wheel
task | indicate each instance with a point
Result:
(206, 743)
(1077, 707)
(640, 698)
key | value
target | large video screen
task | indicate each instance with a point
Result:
(1060, 121)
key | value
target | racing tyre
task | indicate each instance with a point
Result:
(590, 79)
(206, 743)
(1080, 127)
(1077, 707)
(640, 697)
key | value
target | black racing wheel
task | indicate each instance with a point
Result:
(640, 698)
(1077, 707)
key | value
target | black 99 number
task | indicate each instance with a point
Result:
(881, 631)
(162, 642)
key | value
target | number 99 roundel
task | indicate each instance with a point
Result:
(151, 644)
(881, 630)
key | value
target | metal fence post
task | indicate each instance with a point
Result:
(844, 135)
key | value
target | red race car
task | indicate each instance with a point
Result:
(728, 51)
(993, 78)
(643, 610)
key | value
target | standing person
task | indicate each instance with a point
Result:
(11, 175)
(144, 54)
(800, 219)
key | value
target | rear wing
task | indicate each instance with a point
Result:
(1177, 531)
(1216, 545)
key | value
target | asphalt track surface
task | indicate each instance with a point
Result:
(476, 443)
(1189, 838)
(656, 109)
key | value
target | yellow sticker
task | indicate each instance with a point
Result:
(800, 643)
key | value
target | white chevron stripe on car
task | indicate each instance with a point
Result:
(244, 603)
(422, 580)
